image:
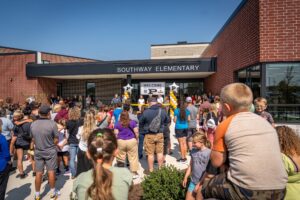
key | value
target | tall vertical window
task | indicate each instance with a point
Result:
(283, 90)
(251, 76)
(91, 90)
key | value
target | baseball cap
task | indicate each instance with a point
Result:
(188, 99)
(44, 109)
(211, 123)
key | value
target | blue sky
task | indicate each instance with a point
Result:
(111, 29)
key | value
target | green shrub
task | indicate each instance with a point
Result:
(164, 184)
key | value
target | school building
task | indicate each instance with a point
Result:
(258, 45)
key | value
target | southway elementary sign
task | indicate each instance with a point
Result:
(157, 69)
(122, 67)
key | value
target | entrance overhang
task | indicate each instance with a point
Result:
(138, 69)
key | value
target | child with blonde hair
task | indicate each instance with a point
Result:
(199, 160)
(243, 140)
(260, 109)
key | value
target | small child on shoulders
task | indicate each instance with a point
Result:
(260, 109)
(199, 159)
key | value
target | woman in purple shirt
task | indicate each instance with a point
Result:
(126, 131)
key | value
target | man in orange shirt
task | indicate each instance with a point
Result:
(250, 145)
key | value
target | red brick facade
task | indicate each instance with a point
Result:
(261, 31)
(279, 30)
(14, 82)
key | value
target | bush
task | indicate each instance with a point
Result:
(164, 183)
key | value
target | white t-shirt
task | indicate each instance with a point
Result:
(141, 101)
(160, 100)
(62, 137)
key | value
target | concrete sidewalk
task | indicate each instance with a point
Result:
(19, 189)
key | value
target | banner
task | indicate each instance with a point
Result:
(154, 88)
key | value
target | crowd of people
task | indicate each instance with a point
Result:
(236, 151)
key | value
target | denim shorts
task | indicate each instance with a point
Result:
(180, 133)
(191, 187)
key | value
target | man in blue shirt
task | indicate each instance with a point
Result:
(4, 164)
(7, 126)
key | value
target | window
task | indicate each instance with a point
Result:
(283, 83)
(251, 76)
(45, 62)
(91, 90)
(283, 91)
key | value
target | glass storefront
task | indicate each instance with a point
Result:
(251, 76)
(186, 87)
(283, 91)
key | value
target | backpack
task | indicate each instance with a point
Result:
(26, 135)
(154, 126)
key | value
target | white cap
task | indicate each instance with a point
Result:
(160, 100)
(189, 99)
(211, 123)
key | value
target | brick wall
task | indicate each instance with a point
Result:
(13, 81)
(53, 58)
(237, 46)
(279, 30)
(177, 51)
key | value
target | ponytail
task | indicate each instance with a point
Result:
(101, 188)
(102, 144)
(207, 143)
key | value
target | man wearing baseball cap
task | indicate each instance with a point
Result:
(44, 132)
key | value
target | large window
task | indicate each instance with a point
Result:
(283, 83)
(283, 91)
(91, 90)
(251, 76)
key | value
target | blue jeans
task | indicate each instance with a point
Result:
(73, 149)
(141, 144)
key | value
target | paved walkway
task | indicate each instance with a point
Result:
(19, 189)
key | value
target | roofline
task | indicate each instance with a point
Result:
(134, 61)
(176, 44)
(33, 51)
(232, 16)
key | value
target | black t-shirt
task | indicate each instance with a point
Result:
(72, 127)
(19, 130)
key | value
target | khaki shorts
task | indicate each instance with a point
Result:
(154, 143)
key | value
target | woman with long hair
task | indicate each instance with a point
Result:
(181, 118)
(73, 124)
(21, 139)
(127, 133)
(89, 124)
(289, 143)
(103, 182)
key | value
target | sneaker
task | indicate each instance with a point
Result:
(37, 198)
(54, 196)
(67, 172)
(22, 176)
(33, 174)
(183, 160)
(179, 159)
